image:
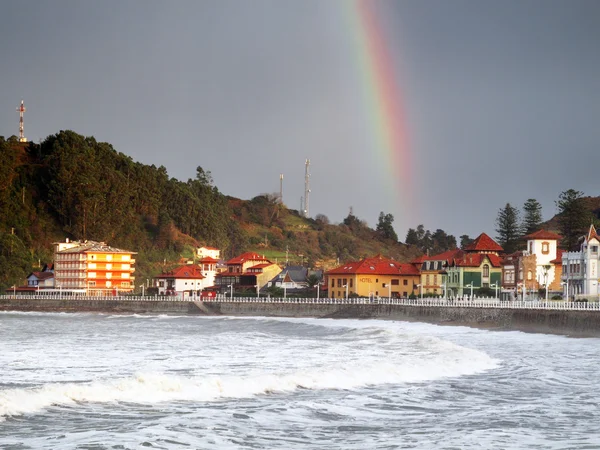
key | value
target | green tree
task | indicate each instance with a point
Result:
(573, 217)
(411, 237)
(385, 228)
(532, 216)
(507, 227)
(465, 241)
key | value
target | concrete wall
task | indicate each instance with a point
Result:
(572, 323)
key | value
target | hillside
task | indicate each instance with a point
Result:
(71, 186)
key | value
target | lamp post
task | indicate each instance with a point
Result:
(389, 291)
(257, 290)
(445, 292)
(470, 285)
(284, 290)
(566, 284)
(142, 286)
(346, 286)
(495, 285)
(420, 286)
(318, 287)
(230, 286)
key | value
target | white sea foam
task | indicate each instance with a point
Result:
(450, 360)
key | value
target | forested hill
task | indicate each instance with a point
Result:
(73, 186)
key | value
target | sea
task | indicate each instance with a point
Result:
(102, 381)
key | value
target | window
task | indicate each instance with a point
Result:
(529, 275)
(91, 283)
(351, 282)
(486, 270)
(395, 282)
(345, 283)
(108, 266)
(435, 280)
(109, 257)
(405, 282)
(161, 284)
(426, 280)
(594, 248)
(405, 294)
(124, 284)
(376, 280)
(332, 282)
(339, 282)
(545, 248)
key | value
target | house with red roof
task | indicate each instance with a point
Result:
(432, 270)
(477, 266)
(246, 272)
(373, 277)
(185, 281)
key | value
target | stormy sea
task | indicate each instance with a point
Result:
(93, 381)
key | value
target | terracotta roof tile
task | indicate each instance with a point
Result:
(543, 234)
(186, 271)
(248, 256)
(484, 243)
(377, 265)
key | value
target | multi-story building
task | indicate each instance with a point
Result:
(432, 269)
(373, 277)
(186, 280)
(542, 247)
(93, 266)
(477, 266)
(580, 269)
(246, 271)
(209, 259)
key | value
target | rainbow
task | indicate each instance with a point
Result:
(384, 102)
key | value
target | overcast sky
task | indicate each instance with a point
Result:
(501, 98)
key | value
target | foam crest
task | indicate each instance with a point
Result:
(148, 388)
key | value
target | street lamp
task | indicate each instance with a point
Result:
(471, 286)
(495, 286)
(445, 291)
(389, 285)
(346, 286)
(420, 286)
(284, 290)
(257, 290)
(230, 286)
(318, 288)
(142, 286)
(566, 284)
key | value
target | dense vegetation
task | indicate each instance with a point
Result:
(71, 186)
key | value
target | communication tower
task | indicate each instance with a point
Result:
(306, 186)
(21, 110)
(281, 188)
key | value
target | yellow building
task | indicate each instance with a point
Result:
(373, 277)
(94, 267)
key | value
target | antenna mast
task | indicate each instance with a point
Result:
(306, 187)
(281, 188)
(21, 110)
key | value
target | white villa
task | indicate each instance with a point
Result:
(580, 269)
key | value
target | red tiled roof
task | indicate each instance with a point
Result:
(447, 255)
(43, 275)
(208, 259)
(185, 271)
(248, 256)
(209, 248)
(543, 234)
(592, 233)
(476, 259)
(484, 243)
(376, 266)
(558, 259)
(420, 259)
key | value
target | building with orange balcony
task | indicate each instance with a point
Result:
(93, 266)
(246, 272)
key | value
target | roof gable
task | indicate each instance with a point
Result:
(543, 234)
(484, 243)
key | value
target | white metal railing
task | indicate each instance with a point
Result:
(430, 302)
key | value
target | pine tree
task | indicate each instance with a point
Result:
(532, 216)
(508, 231)
(573, 217)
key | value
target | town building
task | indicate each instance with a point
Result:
(373, 277)
(208, 262)
(580, 269)
(477, 266)
(94, 267)
(184, 281)
(246, 271)
(432, 269)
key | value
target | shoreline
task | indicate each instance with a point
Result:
(579, 323)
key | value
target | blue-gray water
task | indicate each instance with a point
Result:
(89, 381)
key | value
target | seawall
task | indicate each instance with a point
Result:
(566, 322)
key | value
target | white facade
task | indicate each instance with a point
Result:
(580, 269)
(544, 246)
(208, 252)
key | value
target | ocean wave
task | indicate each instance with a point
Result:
(149, 388)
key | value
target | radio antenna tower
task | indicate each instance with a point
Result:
(281, 188)
(21, 110)
(306, 186)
